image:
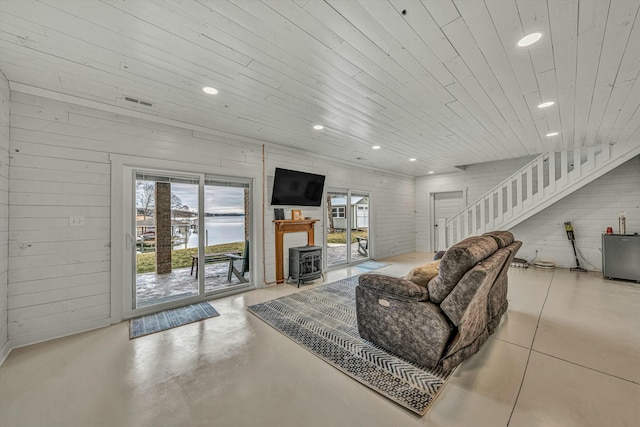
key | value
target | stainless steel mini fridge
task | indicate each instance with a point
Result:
(621, 256)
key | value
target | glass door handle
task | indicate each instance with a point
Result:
(130, 240)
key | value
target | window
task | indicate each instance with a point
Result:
(338, 212)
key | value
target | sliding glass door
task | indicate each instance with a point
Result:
(337, 228)
(359, 226)
(226, 234)
(165, 212)
(347, 236)
(188, 238)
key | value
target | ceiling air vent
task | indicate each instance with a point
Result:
(138, 101)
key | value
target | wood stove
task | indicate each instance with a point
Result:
(305, 263)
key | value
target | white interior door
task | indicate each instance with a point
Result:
(445, 205)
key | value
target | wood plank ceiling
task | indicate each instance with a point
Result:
(439, 81)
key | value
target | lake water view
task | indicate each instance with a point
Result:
(219, 229)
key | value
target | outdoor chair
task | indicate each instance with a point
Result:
(244, 267)
(216, 257)
(363, 245)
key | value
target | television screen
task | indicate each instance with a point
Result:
(297, 188)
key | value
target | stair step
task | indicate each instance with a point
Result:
(571, 175)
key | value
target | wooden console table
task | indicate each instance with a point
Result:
(290, 226)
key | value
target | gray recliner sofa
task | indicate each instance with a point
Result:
(446, 322)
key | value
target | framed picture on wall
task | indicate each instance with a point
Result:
(278, 214)
(296, 214)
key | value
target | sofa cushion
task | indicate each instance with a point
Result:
(421, 274)
(455, 263)
(394, 287)
(486, 271)
(502, 238)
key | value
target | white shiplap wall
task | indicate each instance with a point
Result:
(391, 212)
(475, 180)
(590, 209)
(4, 212)
(59, 275)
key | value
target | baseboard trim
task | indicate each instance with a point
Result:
(5, 351)
(65, 331)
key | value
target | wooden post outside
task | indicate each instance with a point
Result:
(246, 214)
(163, 227)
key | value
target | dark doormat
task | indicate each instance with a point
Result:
(168, 319)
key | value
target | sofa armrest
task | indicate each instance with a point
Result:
(394, 287)
(415, 330)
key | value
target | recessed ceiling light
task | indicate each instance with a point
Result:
(375, 147)
(552, 134)
(546, 104)
(210, 90)
(430, 172)
(412, 159)
(318, 127)
(529, 39)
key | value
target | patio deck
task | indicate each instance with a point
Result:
(152, 288)
(336, 252)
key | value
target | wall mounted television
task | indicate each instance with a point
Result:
(297, 188)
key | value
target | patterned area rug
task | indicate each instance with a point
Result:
(323, 320)
(168, 319)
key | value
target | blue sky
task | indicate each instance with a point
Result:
(217, 199)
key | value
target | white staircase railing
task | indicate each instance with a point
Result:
(542, 182)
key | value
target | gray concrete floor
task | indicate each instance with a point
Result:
(565, 354)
